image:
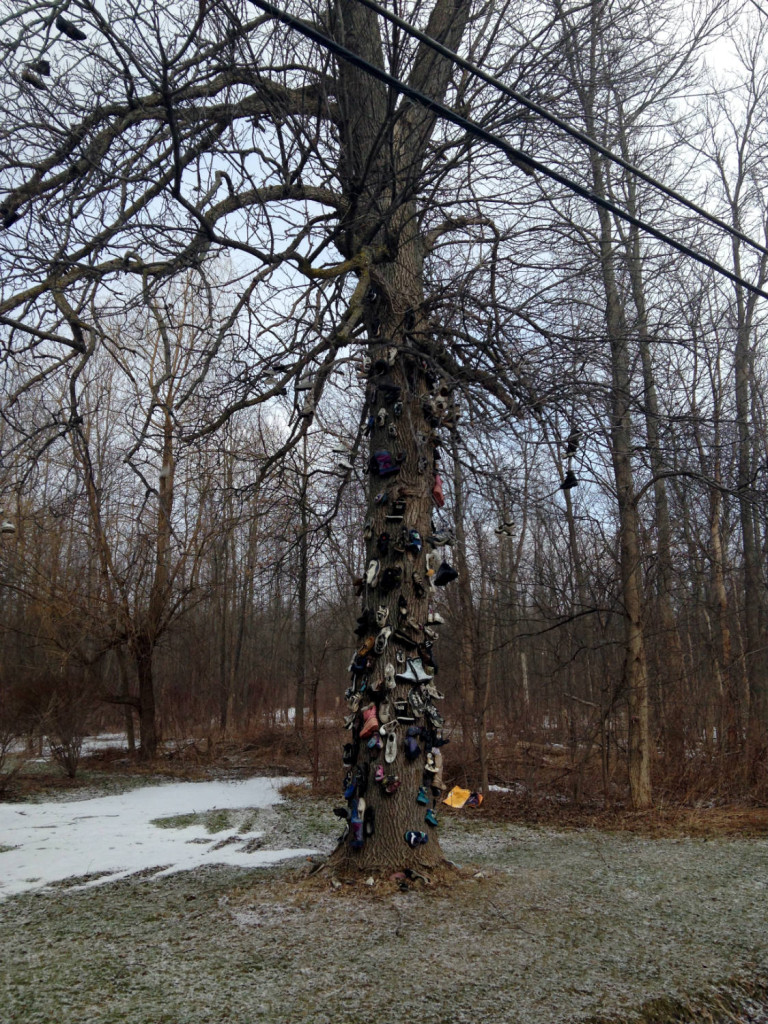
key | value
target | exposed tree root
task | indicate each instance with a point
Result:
(342, 872)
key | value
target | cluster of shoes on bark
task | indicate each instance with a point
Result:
(396, 655)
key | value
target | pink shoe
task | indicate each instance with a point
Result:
(370, 722)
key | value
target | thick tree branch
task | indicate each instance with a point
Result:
(453, 224)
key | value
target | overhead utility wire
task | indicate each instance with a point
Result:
(516, 155)
(575, 133)
(761, 9)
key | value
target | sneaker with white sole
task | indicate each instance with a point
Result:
(372, 572)
(381, 640)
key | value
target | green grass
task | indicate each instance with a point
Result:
(214, 821)
(573, 926)
(177, 821)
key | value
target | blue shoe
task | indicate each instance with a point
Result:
(414, 542)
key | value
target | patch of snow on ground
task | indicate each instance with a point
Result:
(91, 744)
(105, 741)
(113, 837)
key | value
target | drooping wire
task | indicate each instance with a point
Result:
(761, 9)
(516, 155)
(575, 133)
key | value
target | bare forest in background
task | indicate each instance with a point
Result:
(181, 533)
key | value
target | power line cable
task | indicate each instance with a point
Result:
(761, 9)
(516, 155)
(575, 133)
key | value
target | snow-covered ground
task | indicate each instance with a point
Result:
(105, 741)
(91, 744)
(113, 836)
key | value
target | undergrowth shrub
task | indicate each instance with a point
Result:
(66, 722)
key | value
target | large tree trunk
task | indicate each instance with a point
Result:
(400, 812)
(381, 157)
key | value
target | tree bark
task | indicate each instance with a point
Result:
(143, 648)
(381, 160)
(753, 586)
(467, 648)
(587, 79)
(301, 638)
(124, 691)
(630, 566)
(671, 666)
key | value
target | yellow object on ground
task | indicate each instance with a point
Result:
(457, 797)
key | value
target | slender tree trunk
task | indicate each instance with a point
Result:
(143, 651)
(636, 674)
(753, 586)
(467, 652)
(719, 601)
(223, 580)
(733, 684)
(671, 665)
(482, 711)
(635, 666)
(147, 633)
(124, 691)
(301, 639)
(588, 74)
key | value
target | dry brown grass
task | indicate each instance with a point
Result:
(659, 822)
(549, 787)
(316, 881)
